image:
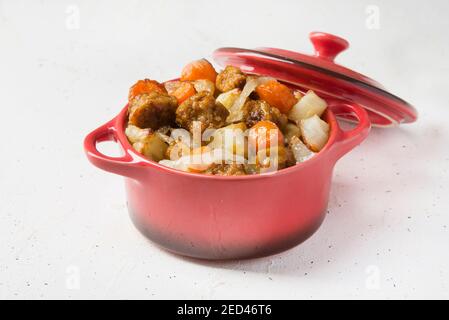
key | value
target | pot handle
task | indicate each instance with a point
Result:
(125, 165)
(348, 140)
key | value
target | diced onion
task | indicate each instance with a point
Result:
(165, 138)
(228, 98)
(236, 110)
(300, 150)
(135, 134)
(152, 147)
(307, 106)
(177, 164)
(204, 85)
(202, 162)
(291, 130)
(314, 132)
(230, 138)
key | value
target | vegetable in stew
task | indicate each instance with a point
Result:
(227, 123)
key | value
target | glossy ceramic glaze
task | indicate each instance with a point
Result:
(320, 73)
(214, 217)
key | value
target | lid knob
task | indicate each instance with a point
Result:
(327, 46)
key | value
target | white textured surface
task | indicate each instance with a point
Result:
(60, 216)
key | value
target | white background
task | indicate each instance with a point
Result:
(64, 229)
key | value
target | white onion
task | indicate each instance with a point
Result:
(307, 106)
(300, 150)
(314, 132)
(231, 138)
(291, 130)
(204, 161)
(228, 98)
(236, 110)
(204, 85)
(165, 138)
(135, 134)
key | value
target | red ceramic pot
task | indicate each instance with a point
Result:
(214, 217)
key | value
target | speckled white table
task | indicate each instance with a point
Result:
(65, 68)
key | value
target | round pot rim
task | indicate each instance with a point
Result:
(120, 126)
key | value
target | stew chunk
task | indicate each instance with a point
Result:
(230, 78)
(201, 107)
(152, 110)
(231, 169)
(259, 110)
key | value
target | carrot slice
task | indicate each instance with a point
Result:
(263, 133)
(145, 86)
(181, 90)
(277, 95)
(198, 70)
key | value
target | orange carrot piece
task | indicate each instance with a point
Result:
(145, 86)
(277, 95)
(198, 70)
(181, 90)
(266, 137)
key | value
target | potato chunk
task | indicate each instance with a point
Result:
(291, 130)
(315, 132)
(204, 85)
(300, 150)
(152, 147)
(230, 139)
(307, 106)
(135, 134)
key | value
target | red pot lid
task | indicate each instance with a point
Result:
(318, 72)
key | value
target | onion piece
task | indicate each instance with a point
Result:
(298, 94)
(230, 138)
(202, 162)
(314, 132)
(309, 105)
(204, 85)
(152, 147)
(228, 98)
(300, 150)
(291, 130)
(167, 139)
(236, 112)
(179, 164)
(136, 134)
